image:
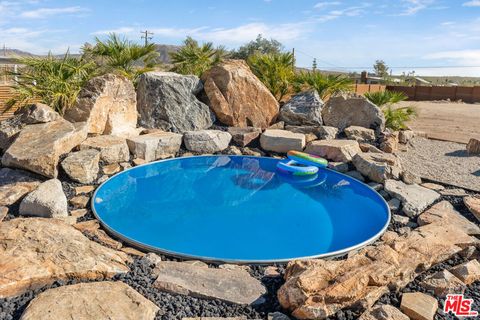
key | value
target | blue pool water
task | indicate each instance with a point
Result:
(238, 208)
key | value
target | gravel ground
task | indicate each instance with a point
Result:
(441, 161)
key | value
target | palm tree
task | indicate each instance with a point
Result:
(54, 81)
(325, 84)
(195, 59)
(122, 56)
(275, 70)
(395, 118)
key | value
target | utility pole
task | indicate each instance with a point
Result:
(293, 60)
(314, 65)
(146, 35)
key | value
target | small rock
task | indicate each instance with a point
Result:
(125, 165)
(433, 186)
(151, 259)
(78, 213)
(102, 179)
(138, 161)
(360, 134)
(375, 186)
(473, 204)
(233, 150)
(405, 136)
(37, 113)
(111, 169)
(410, 178)
(92, 229)
(79, 202)
(378, 167)
(384, 312)
(280, 125)
(402, 220)
(156, 145)
(83, 189)
(271, 271)
(335, 150)
(277, 316)
(327, 133)
(253, 152)
(82, 166)
(112, 149)
(47, 201)
(443, 283)
(384, 194)
(282, 141)
(356, 175)
(244, 136)
(456, 192)
(473, 146)
(367, 147)
(197, 263)
(14, 185)
(414, 198)
(468, 272)
(419, 306)
(389, 142)
(394, 204)
(3, 213)
(132, 251)
(341, 167)
(9, 130)
(206, 141)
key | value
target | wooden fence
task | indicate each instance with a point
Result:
(6, 93)
(430, 93)
(361, 88)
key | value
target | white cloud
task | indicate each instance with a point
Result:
(121, 30)
(42, 13)
(473, 3)
(321, 5)
(458, 57)
(414, 6)
(348, 12)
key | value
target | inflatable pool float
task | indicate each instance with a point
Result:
(307, 159)
(295, 168)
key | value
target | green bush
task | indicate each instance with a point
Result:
(195, 59)
(325, 84)
(119, 55)
(275, 70)
(55, 82)
(395, 118)
(258, 46)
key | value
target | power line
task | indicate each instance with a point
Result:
(145, 35)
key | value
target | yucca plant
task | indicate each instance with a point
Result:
(54, 81)
(395, 118)
(119, 55)
(325, 84)
(195, 59)
(275, 70)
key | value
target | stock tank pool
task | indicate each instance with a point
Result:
(239, 209)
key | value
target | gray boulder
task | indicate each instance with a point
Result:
(37, 113)
(304, 108)
(206, 141)
(167, 101)
(82, 166)
(343, 111)
(414, 198)
(47, 201)
(378, 166)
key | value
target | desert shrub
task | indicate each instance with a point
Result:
(260, 45)
(275, 70)
(325, 84)
(195, 59)
(395, 117)
(119, 55)
(54, 81)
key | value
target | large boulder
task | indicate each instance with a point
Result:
(282, 141)
(378, 166)
(334, 150)
(112, 149)
(244, 136)
(38, 147)
(108, 104)
(97, 300)
(414, 198)
(51, 251)
(304, 108)
(206, 141)
(82, 166)
(47, 201)
(167, 101)
(238, 97)
(343, 111)
(155, 145)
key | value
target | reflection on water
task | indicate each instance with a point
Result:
(239, 208)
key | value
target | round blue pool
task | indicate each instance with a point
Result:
(239, 209)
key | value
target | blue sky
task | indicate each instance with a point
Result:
(342, 35)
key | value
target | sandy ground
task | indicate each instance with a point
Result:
(448, 121)
(442, 161)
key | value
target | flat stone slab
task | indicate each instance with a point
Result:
(232, 285)
(419, 306)
(206, 141)
(468, 272)
(282, 141)
(473, 204)
(378, 166)
(35, 252)
(155, 145)
(443, 283)
(244, 136)
(14, 185)
(335, 150)
(97, 300)
(384, 312)
(414, 198)
(112, 149)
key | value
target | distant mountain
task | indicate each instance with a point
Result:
(164, 50)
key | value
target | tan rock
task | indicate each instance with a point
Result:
(35, 252)
(83, 190)
(282, 141)
(433, 186)
(82, 166)
(468, 272)
(244, 136)
(96, 300)
(384, 312)
(156, 145)
(444, 213)
(473, 204)
(112, 149)
(108, 104)
(335, 150)
(206, 141)
(138, 161)
(419, 306)
(233, 285)
(47, 201)
(473, 146)
(78, 213)
(79, 202)
(238, 97)
(443, 283)
(389, 142)
(405, 136)
(132, 251)
(14, 185)
(360, 134)
(110, 169)
(3, 213)
(39, 146)
(414, 198)
(379, 167)
(280, 125)
(91, 228)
